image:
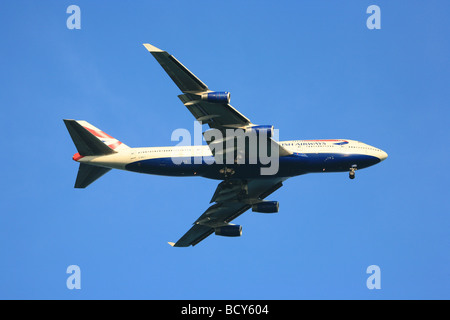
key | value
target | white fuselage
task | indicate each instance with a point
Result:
(307, 156)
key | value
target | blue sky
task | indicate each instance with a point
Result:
(310, 68)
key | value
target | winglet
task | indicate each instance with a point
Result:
(171, 243)
(151, 48)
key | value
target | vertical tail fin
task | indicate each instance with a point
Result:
(91, 141)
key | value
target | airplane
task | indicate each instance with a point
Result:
(243, 185)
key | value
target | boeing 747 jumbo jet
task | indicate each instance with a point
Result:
(250, 169)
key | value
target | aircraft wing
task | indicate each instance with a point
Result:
(232, 198)
(216, 114)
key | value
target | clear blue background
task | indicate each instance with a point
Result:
(311, 68)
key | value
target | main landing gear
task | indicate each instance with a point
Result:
(227, 172)
(351, 174)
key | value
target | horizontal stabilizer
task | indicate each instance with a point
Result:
(88, 174)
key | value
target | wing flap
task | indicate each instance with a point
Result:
(216, 115)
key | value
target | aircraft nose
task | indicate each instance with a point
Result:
(383, 155)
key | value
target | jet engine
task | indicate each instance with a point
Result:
(216, 97)
(229, 231)
(266, 207)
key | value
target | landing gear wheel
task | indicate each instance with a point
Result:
(351, 174)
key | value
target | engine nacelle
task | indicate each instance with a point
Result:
(216, 97)
(229, 231)
(265, 128)
(266, 207)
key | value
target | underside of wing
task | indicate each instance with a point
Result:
(207, 106)
(183, 78)
(232, 198)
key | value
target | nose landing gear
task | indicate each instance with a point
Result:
(351, 174)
